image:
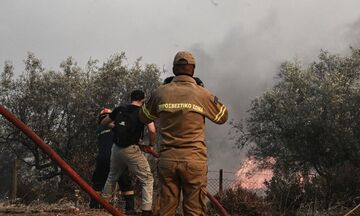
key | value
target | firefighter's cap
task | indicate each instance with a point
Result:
(184, 57)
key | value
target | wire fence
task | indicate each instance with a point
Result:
(37, 191)
(218, 181)
(223, 184)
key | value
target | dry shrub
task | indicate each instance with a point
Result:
(239, 201)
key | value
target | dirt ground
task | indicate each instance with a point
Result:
(48, 210)
(61, 208)
(18, 212)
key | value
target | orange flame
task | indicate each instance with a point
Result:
(250, 176)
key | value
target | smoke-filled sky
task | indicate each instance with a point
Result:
(238, 44)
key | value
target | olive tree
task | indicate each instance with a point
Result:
(62, 107)
(309, 124)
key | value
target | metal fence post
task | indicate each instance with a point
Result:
(220, 181)
(13, 189)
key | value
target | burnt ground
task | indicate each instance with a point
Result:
(48, 210)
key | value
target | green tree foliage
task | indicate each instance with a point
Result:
(309, 124)
(62, 107)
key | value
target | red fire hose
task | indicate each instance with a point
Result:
(81, 182)
(221, 209)
(60, 162)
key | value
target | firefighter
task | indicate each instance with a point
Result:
(181, 107)
(105, 142)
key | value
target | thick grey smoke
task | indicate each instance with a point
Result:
(246, 62)
(353, 34)
(238, 44)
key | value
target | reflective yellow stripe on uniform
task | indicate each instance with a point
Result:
(147, 113)
(221, 113)
(194, 107)
(128, 193)
(105, 131)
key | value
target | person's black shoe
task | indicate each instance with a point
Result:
(146, 213)
(94, 204)
(129, 203)
(131, 212)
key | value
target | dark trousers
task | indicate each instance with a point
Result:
(125, 183)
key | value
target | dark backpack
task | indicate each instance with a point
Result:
(125, 127)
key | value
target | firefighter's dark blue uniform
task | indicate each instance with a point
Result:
(105, 142)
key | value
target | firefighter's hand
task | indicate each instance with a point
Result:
(146, 148)
(168, 80)
(199, 81)
(111, 125)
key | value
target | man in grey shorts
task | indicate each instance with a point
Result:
(128, 130)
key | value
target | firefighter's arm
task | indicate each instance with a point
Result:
(148, 112)
(215, 110)
(152, 133)
(107, 122)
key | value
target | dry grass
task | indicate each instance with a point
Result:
(59, 209)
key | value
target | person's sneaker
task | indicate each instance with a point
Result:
(146, 213)
(131, 212)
